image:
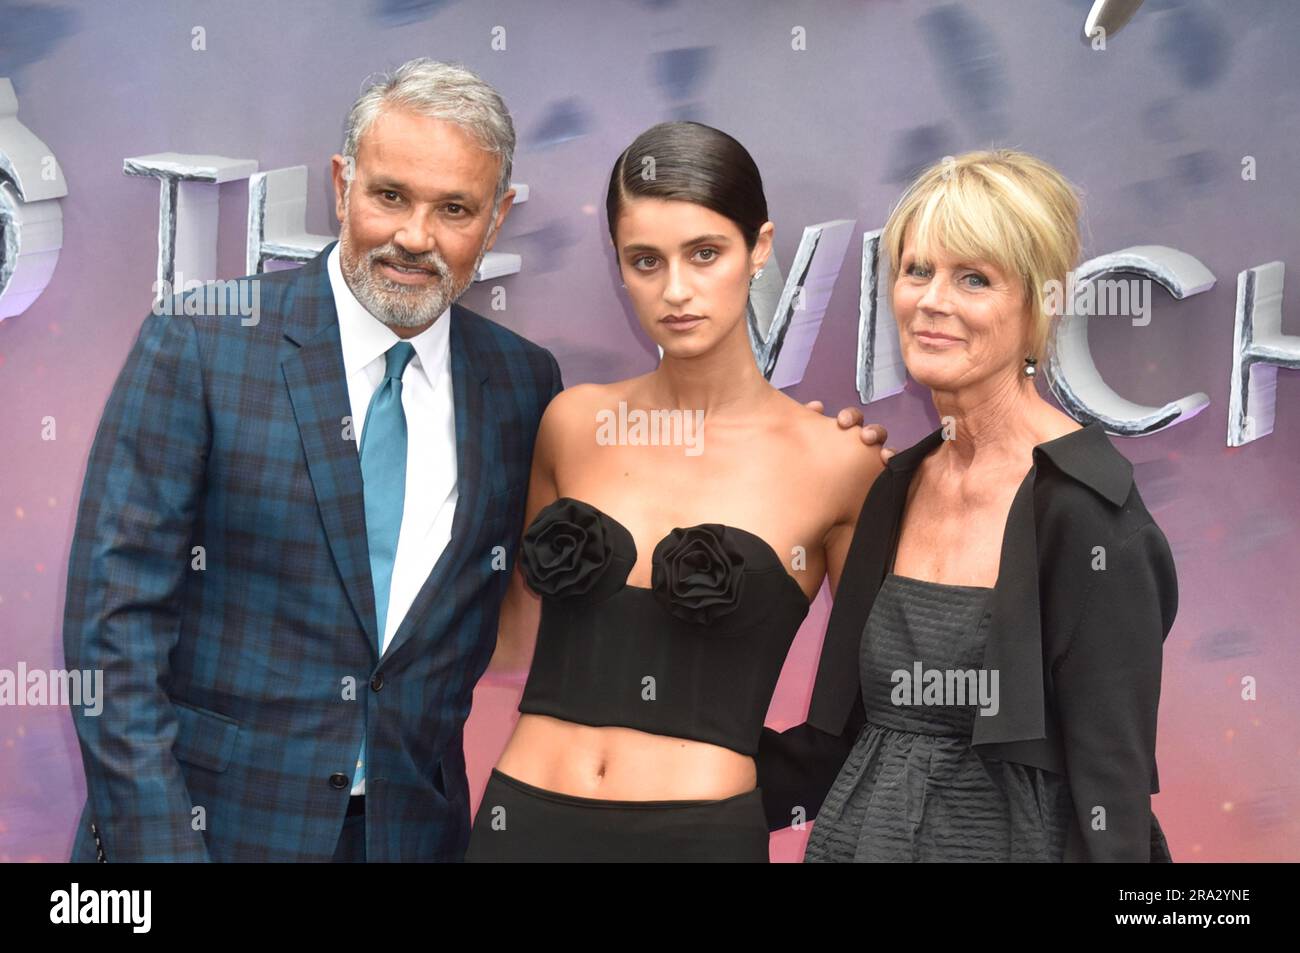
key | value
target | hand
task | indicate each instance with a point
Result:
(850, 417)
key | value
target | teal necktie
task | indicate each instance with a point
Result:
(383, 477)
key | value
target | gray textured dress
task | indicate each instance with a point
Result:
(913, 789)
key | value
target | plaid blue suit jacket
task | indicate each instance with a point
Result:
(240, 678)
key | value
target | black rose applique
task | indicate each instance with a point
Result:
(698, 574)
(572, 549)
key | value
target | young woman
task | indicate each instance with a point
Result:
(674, 563)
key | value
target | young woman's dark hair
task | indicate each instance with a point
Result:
(690, 162)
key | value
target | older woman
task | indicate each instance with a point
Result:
(991, 670)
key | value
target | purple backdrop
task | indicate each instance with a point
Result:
(1154, 130)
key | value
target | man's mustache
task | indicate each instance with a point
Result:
(429, 262)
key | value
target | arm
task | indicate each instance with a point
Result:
(797, 767)
(1108, 687)
(129, 560)
(861, 468)
(521, 609)
(521, 612)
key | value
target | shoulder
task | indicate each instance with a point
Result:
(849, 466)
(518, 366)
(1090, 516)
(490, 335)
(574, 412)
(578, 401)
(1084, 485)
(826, 442)
(239, 317)
(1075, 528)
(235, 322)
(832, 464)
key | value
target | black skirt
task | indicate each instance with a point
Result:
(520, 822)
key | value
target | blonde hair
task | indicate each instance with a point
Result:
(1001, 206)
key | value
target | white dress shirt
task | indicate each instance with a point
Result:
(427, 401)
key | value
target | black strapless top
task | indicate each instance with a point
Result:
(697, 655)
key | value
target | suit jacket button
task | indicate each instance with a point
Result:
(377, 682)
(338, 781)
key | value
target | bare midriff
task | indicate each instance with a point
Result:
(622, 764)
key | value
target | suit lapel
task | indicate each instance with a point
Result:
(318, 390)
(480, 474)
(1014, 647)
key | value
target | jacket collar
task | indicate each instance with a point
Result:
(1023, 730)
(1086, 456)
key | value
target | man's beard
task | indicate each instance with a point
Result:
(393, 303)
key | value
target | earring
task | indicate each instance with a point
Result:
(1031, 370)
(756, 275)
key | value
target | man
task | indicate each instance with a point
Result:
(295, 535)
(251, 704)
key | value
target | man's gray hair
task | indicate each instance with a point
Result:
(439, 91)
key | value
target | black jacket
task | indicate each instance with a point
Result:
(1078, 649)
